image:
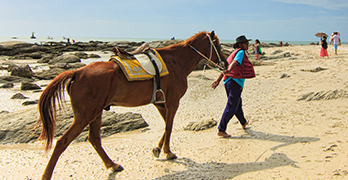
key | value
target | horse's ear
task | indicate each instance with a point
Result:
(212, 34)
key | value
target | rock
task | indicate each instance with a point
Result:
(94, 56)
(314, 70)
(47, 58)
(11, 66)
(36, 55)
(43, 60)
(58, 65)
(203, 125)
(81, 55)
(287, 54)
(33, 49)
(324, 95)
(7, 85)
(284, 76)
(17, 127)
(276, 52)
(4, 112)
(26, 103)
(19, 96)
(48, 74)
(67, 66)
(65, 59)
(22, 71)
(14, 79)
(29, 86)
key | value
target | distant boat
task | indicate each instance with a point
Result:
(32, 36)
(14, 37)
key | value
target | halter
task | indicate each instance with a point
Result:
(212, 46)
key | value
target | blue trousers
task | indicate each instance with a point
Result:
(233, 106)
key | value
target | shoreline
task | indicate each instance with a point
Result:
(114, 39)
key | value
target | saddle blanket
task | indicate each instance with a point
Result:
(141, 68)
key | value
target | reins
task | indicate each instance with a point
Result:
(209, 59)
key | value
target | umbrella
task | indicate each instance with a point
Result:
(321, 34)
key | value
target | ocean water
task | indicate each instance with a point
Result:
(40, 40)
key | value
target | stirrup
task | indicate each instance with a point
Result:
(160, 101)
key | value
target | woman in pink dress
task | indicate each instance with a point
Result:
(323, 51)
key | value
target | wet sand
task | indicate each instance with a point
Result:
(288, 139)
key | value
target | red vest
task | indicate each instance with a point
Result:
(243, 71)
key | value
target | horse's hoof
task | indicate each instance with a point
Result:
(156, 152)
(117, 168)
(171, 156)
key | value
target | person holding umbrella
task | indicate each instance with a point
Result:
(323, 51)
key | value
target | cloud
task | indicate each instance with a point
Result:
(327, 4)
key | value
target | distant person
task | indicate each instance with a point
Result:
(238, 62)
(323, 51)
(336, 40)
(32, 36)
(173, 38)
(257, 49)
(280, 43)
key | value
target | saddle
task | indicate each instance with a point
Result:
(145, 50)
(130, 55)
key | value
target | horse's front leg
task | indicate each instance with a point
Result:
(168, 113)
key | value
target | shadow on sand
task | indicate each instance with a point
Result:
(286, 140)
(216, 170)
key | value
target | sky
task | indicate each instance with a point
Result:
(286, 20)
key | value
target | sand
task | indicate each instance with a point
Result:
(288, 139)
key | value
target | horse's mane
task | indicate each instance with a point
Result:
(187, 42)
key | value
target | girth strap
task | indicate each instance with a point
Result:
(156, 81)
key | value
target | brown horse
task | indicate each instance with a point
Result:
(101, 84)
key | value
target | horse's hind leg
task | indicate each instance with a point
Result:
(62, 143)
(95, 140)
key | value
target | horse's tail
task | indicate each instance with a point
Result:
(52, 96)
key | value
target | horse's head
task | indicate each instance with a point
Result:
(210, 50)
(216, 54)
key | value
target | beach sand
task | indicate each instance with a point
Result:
(288, 139)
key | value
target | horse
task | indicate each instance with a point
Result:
(99, 85)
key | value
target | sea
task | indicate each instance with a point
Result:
(41, 40)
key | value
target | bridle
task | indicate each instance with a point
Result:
(212, 46)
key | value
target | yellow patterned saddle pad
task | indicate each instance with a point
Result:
(141, 68)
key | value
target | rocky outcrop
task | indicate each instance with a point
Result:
(65, 59)
(14, 79)
(29, 86)
(199, 126)
(314, 70)
(22, 71)
(48, 74)
(324, 95)
(19, 96)
(17, 127)
(7, 85)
